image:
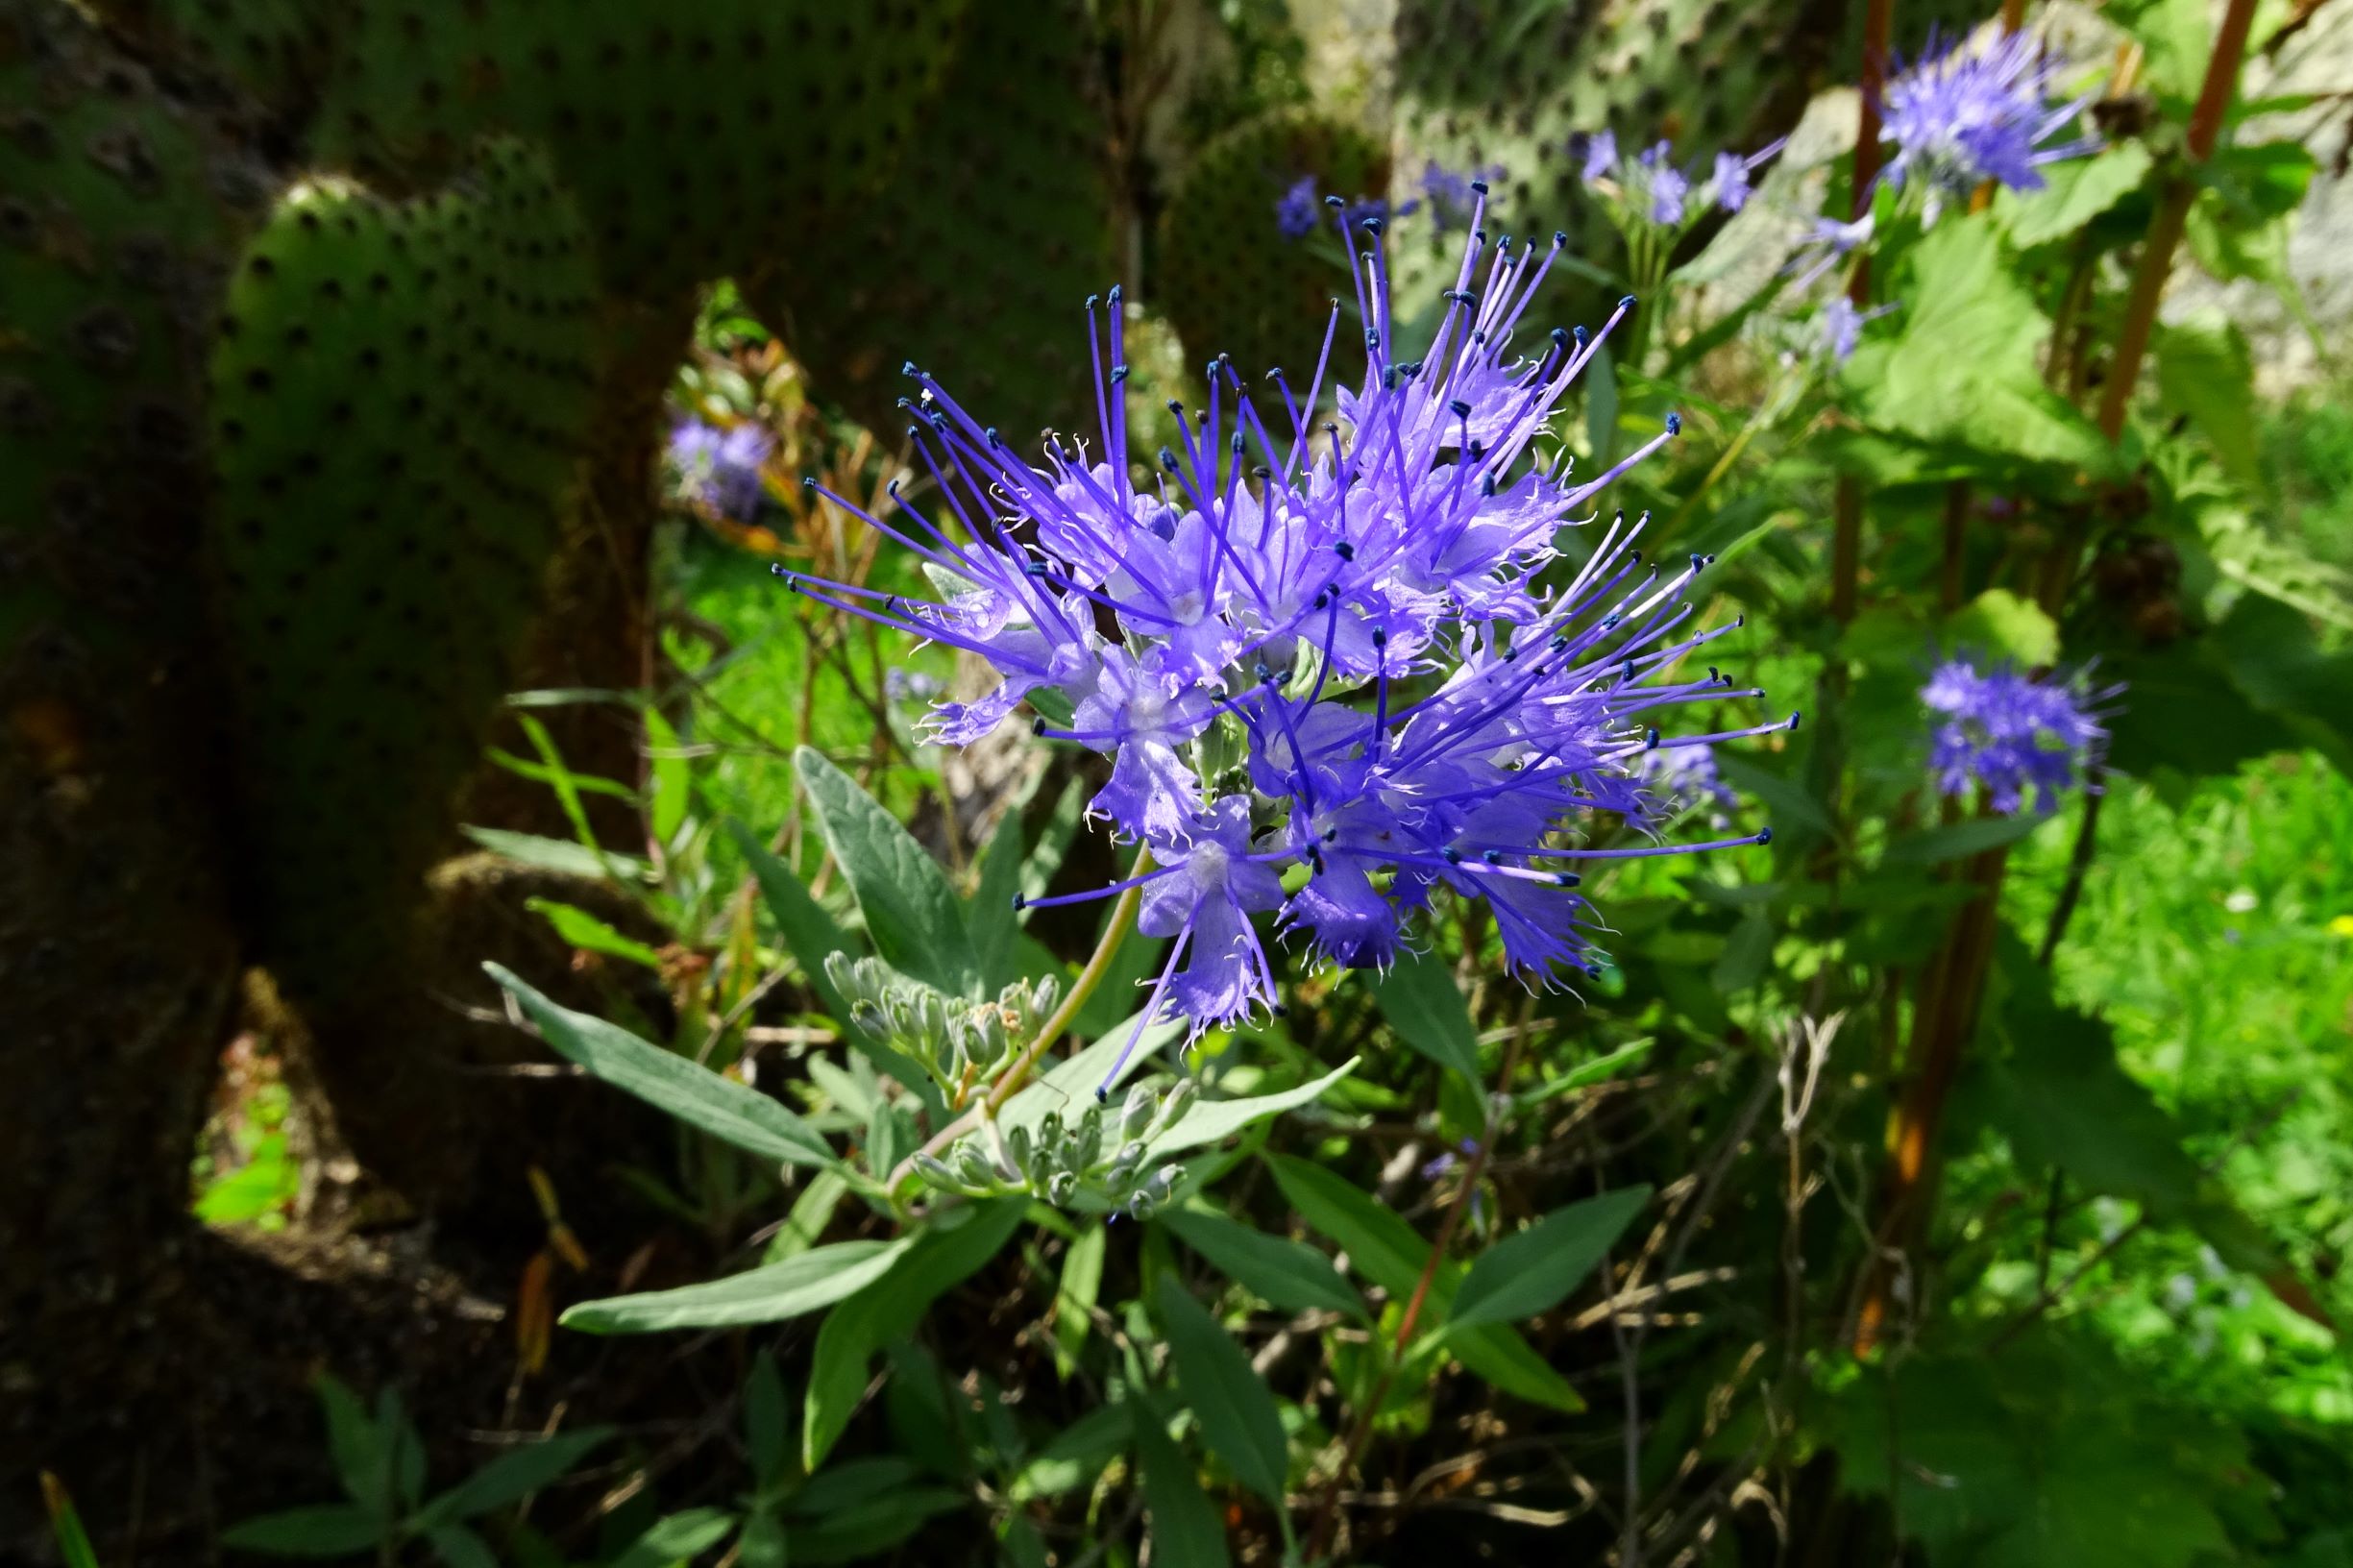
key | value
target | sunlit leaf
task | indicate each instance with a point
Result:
(801, 1283)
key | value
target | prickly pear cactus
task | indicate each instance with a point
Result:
(399, 395)
(1516, 82)
(1231, 281)
(117, 962)
(272, 49)
(697, 137)
(978, 258)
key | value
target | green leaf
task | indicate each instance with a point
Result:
(1074, 1457)
(1208, 1120)
(1288, 1274)
(2001, 624)
(913, 914)
(326, 1529)
(672, 786)
(1379, 1243)
(812, 1211)
(1533, 1270)
(991, 920)
(74, 1546)
(1238, 1414)
(2073, 193)
(512, 1476)
(1391, 1254)
(1423, 1004)
(2206, 372)
(1074, 1295)
(847, 1485)
(1787, 805)
(557, 854)
(767, 1433)
(578, 928)
(1182, 1523)
(1934, 845)
(363, 1450)
(458, 1547)
(676, 1538)
(1990, 397)
(808, 931)
(1746, 952)
(726, 1109)
(1587, 1073)
(801, 1283)
(941, 1257)
(867, 1532)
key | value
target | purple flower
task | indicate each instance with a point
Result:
(1667, 185)
(1959, 117)
(1356, 647)
(1453, 195)
(2007, 733)
(718, 468)
(1652, 188)
(1299, 211)
(1685, 778)
(1839, 326)
(1601, 156)
(1828, 244)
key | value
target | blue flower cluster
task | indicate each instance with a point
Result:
(1650, 186)
(719, 469)
(1338, 664)
(2008, 733)
(1300, 208)
(1962, 116)
(1450, 193)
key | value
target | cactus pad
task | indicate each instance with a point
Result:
(979, 256)
(697, 137)
(1231, 281)
(400, 396)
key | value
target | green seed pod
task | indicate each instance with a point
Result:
(935, 1172)
(1172, 1109)
(975, 1167)
(1061, 1188)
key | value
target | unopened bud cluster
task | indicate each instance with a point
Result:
(960, 1043)
(1103, 1151)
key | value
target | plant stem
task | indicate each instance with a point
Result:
(1098, 964)
(2165, 229)
(1360, 1430)
(2078, 863)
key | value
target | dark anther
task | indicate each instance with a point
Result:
(1380, 637)
(1493, 857)
(1036, 726)
(908, 368)
(1372, 225)
(1454, 857)
(1167, 459)
(1764, 835)
(1560, 338)
(1580, 335)
(1119, 374)
(1334, 202)
(1093, 300)
(1626, 304)
(1113, 296)
(1345, 551)
(1561, 237)
(1260, 471)
(1794, 717)
(1175, 407)
(1698, 560)
(1479, 186)
(1649, 741)
(1460, 408)
(1019, 902)
(1675, 424)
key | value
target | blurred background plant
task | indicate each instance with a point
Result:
(402, 410)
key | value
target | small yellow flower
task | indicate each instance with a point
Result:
(2342, 925)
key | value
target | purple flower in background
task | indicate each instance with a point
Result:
(1357, 648)
(1685, 778)
(1453, 195)
(2008, 733)
(1666, 185)
(1601, 156)
(719, 469)
(1840, 325)
(1652, 188)
(1299, 211)
(1828, 244)
(1959, 117)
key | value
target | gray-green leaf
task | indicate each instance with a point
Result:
(911, 912)
(1288, 1274)
(801, 1283)
(1238, 1414)
(726, 1109)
